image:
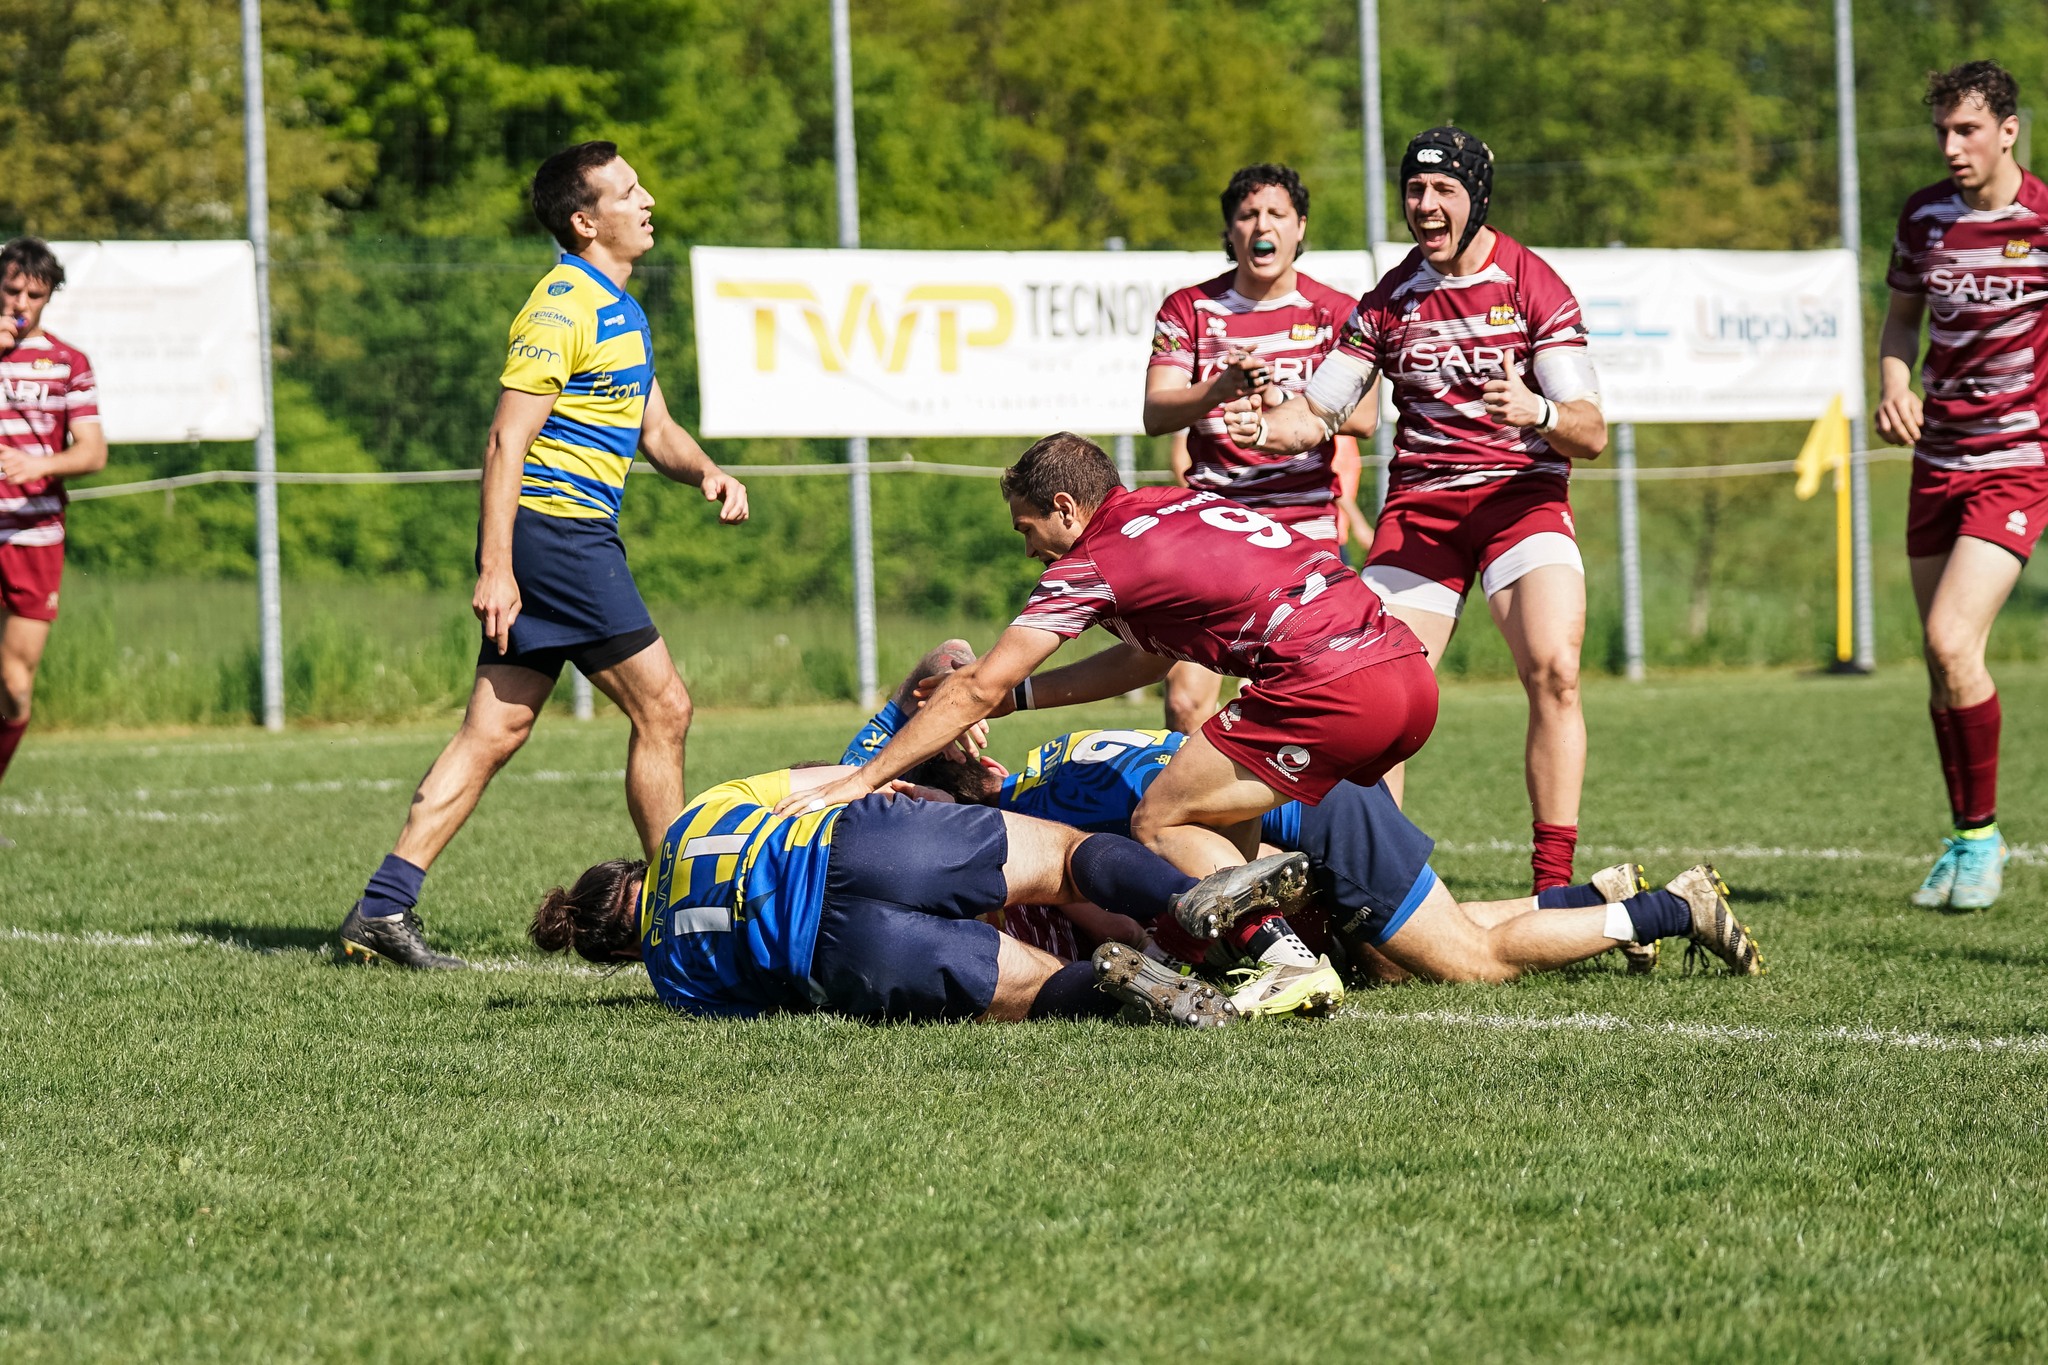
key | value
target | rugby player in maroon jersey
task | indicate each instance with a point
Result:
(49, 431)
(1336, 688)
(1487, 354)
(1972, 256)
(1262, 325)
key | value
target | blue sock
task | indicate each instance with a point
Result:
(1123, 876)
(1658, 914)
(1070, 993)
(394, 887)
(1569, 898)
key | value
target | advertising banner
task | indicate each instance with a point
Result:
(985, 343)
(170, 328)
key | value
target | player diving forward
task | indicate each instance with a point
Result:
(868, 909)
(1337, 688)
(1370, 863)
(1972, 250)
(1487, 354)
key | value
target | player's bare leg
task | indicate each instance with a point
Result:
(1434, 629)
(1193, 694)
(1021, 972)
(651, 693)
(1202, 814)
(1542, 616)
(1959, 595)
(21, 653)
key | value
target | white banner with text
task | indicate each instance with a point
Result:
(990, 343)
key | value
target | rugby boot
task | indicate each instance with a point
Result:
(1275, 988)
(1161, 994)
(1941, 878)
(396, 939)
(1276, 883)
(1714, 926)
(1981, 856)
(1617, 884)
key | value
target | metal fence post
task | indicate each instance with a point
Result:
(1631, 550)
(256, 184)
(859, 504)
(1375, 208)
(1850, 190)
(1126, 450)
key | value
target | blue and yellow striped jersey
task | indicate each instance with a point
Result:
(729, 915)
(579, 337)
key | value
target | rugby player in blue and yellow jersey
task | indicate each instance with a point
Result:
(578, 398)
(1371, 863)
(868, 909)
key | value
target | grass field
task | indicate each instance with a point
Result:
(216, 1143)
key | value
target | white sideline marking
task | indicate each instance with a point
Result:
(2030, 855)
(36, 801)
(1860, 1035)
(96, 938)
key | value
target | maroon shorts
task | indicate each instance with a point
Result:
(2008, 507)
(1304, 740)
(1430, 545)
(29, 575)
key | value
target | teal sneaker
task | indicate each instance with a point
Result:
(1980, 870)
(1941, 879)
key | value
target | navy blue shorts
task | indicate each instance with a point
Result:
(577, 600)
(1371, 861)
(897, 937)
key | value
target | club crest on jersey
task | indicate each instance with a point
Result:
(42, 362)
(1302, 331)
(1500, 315)
(559, 288)
(2017, 249)
(1162, 343)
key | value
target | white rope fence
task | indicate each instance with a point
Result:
(907, 465)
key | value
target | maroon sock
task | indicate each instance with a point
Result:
(1167, 933)
(1550, 854)
(1976, 741)
(1951, 762)
(11, 732)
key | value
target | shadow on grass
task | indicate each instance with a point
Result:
(609, 1002)
(261, 938)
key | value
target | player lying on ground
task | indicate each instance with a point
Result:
(1486, 351)
(1370, 864)
(1337, 688)
(869, 909)
(1972, 251)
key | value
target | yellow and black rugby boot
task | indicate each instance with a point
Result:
(392, 938)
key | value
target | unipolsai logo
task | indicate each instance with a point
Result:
(1722, 322)
(865, 331)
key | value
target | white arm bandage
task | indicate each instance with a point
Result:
(1565, 375)
(1338, 385)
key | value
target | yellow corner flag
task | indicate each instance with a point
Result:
(1827, 447)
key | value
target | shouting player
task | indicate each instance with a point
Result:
(1972, 250)
(1487, 354)
(1260, 327)
(578, 397)
(49, 431)
(1369, 861)
(1337, 689)
(869, 909)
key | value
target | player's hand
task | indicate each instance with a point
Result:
(10, 331)
(973, 741)
(1241, 419)
(852, 787)
(1510, 402)
(730, 495)
(18, 467)
(1242, 373)
(496, 604)
(898, 787)
(1898, 418)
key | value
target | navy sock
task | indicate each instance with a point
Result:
(1569, 898)
(1070, 993)
(1658, 914)
(1123, 876)
(394, 887)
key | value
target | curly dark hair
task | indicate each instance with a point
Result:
(599, 917)
(32, 257)
(1259, 177)
(1988, 81)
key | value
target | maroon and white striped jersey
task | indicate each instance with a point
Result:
(1985, 278)
(1439, 338)
(45, 387)
(1192, 576)
(1195, 332)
